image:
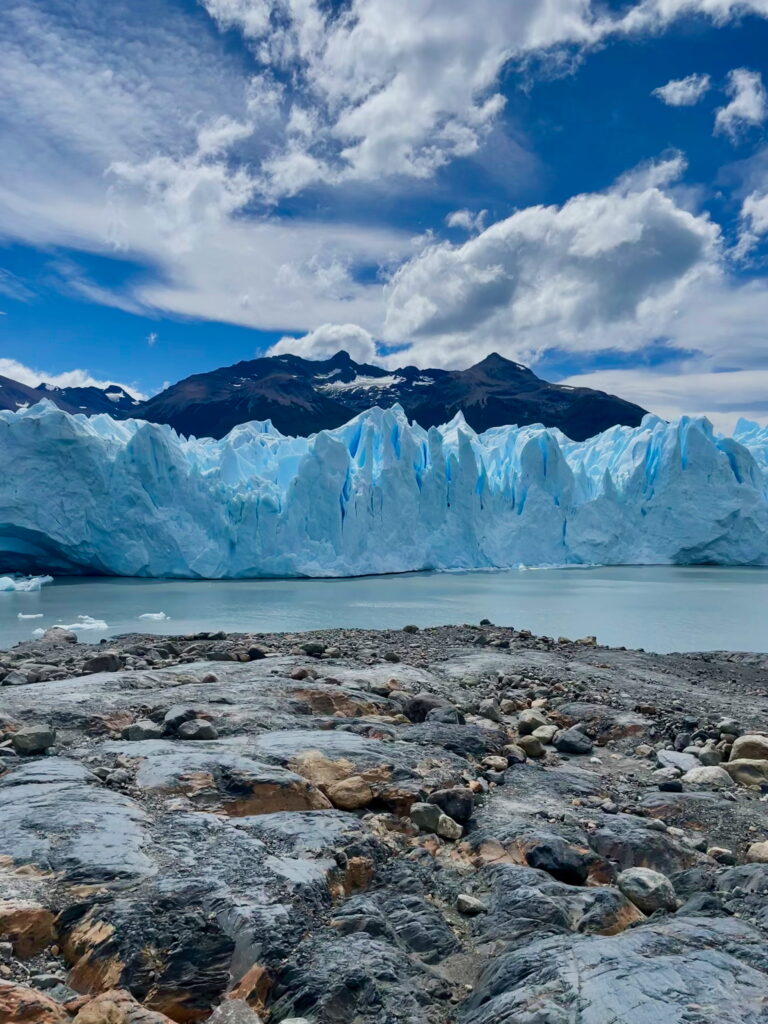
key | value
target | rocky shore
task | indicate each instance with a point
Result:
(458, 825)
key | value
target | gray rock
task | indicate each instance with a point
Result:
(234, 1011)
(197, 729)
(712, 777)
(144, 729)
(55, 815)
(488, 708)
(531, 746)
(470, 906)
(178, 715)
(57, 634)
(106, 661)
(545, 733)
(458, 802)
(426, 816)
(676, 759)
(572, 741)
(34, 739)
(752, 747)
(16, 678)
(530, 719)
(448, 828)
(648, 890)
(629, 978)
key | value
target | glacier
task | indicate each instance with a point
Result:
(377, 495)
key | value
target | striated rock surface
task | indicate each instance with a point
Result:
(357, 834)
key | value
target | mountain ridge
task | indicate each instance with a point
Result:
(302, 396)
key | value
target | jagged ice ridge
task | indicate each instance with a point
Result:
(377, 495)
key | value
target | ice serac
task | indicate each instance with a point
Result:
(376, 495)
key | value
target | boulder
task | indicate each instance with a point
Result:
(529, 720)
(530, 746)
(33, 739)
(417, 707)
(747, 772)
(648, 890)
(234, 1011)
(712, 777)
(426, 816)
(144, 729)
(677, 759)
(59, 635)
(448, 828)
(28, 926)
(753, 747)
(758, 853)
(118, 1007)
(106, 661)
(458, 802)
(197, 729)
(572, 741)
(22, 1005)
(470, 906)
(350, 794)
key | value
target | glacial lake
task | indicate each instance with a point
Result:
(660, 608)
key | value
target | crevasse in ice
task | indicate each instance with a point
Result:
(376, 495)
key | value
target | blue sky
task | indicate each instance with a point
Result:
(582, 187)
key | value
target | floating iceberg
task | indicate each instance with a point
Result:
(84, 623)
(23, 585)
(376, 495)
(155, 616)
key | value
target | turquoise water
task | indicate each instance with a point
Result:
(660, 608)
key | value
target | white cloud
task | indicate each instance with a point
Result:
(467, 221)
(200, 142)
(152, 339)
(603, 270)
(748, 106)
(683, 92)
(69, 379)
(327, 340)
(687, 390)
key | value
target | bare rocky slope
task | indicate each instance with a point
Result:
(463, 824)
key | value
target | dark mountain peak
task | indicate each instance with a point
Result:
(303, 396)
(495, 365)
(342, 358)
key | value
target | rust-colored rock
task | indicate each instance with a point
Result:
(253, 988)
(350, 794)
(89, 949)
(27, 925)
(118, 1007)
(22, 1005)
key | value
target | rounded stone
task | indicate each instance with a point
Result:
(648, 890)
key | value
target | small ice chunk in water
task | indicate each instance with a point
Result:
(32, 615)
(156, 616)
(84, 622)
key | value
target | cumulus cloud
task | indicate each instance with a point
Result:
(602, 265)
(369, 92)
(748, 106)
(68, 379)
(328, 339)
(683, 92)
(466, 220)
(686, 389)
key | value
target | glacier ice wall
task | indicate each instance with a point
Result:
(376, 495)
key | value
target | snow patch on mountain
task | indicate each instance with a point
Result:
(376, 495)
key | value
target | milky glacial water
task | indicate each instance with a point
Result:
(660, 608)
